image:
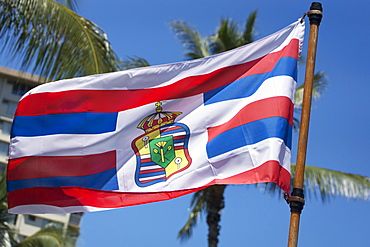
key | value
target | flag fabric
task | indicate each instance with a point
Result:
(155, 133)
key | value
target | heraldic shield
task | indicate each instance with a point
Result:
(162, 150)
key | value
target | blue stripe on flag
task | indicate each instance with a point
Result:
(106, 180)
(247, 86)
(69, 123)
(179, 140)
(250, 133)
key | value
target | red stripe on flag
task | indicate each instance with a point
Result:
(146, 160)
(65, 197)
(60, 166)
(270, 171)
(100, 100)
(179, 137)
(270, 107)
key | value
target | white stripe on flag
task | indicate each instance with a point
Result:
(45, 209)
(152, 177)
(144, 168)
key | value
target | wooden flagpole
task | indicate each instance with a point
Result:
(296, 199)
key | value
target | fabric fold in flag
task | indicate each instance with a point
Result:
(155, 133)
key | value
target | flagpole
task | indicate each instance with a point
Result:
(296, 199)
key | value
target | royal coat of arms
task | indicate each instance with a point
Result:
(162, 150)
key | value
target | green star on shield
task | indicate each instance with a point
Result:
(162, 150)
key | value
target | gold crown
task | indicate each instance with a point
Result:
(157, 119)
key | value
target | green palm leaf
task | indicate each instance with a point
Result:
(248, 34)
(325, 183)
(7, 231)
(227, 37)
(328, 183)
(134, 62)
(198, 206)
(71, 4)
(193, 43)
(319, 85)
(52, 235)
(54, 41)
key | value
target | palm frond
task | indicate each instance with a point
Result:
(226, 38)
(228, 35)
(54, 41)
(327, 183)
(319, 85)
(134, 62)
(7, 230)
(198, 206)
(3, 192)
(296, 120)
(49, 236)
(53, 234)
(248, 34)
(195, 47)
(71, 4)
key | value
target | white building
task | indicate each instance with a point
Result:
(13, 84)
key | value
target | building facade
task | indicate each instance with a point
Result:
(13, 84)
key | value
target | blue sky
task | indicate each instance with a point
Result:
(339, 132)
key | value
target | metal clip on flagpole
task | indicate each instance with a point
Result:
(296, 199)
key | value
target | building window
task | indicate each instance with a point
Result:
(75, 219)
(5, 127)
(11, 107)
(4, 148)
(20, 88)
(11, 218)
(44, 222)
(32, 220)
(32, 217)
(40, 222)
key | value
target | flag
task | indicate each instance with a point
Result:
(155, 133)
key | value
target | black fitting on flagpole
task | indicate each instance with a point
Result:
(296, 200)
(315, 13)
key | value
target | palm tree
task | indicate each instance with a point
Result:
(51, 235)
(54, 42)
(320, 181)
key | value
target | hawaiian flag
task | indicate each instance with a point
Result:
(150, 134)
